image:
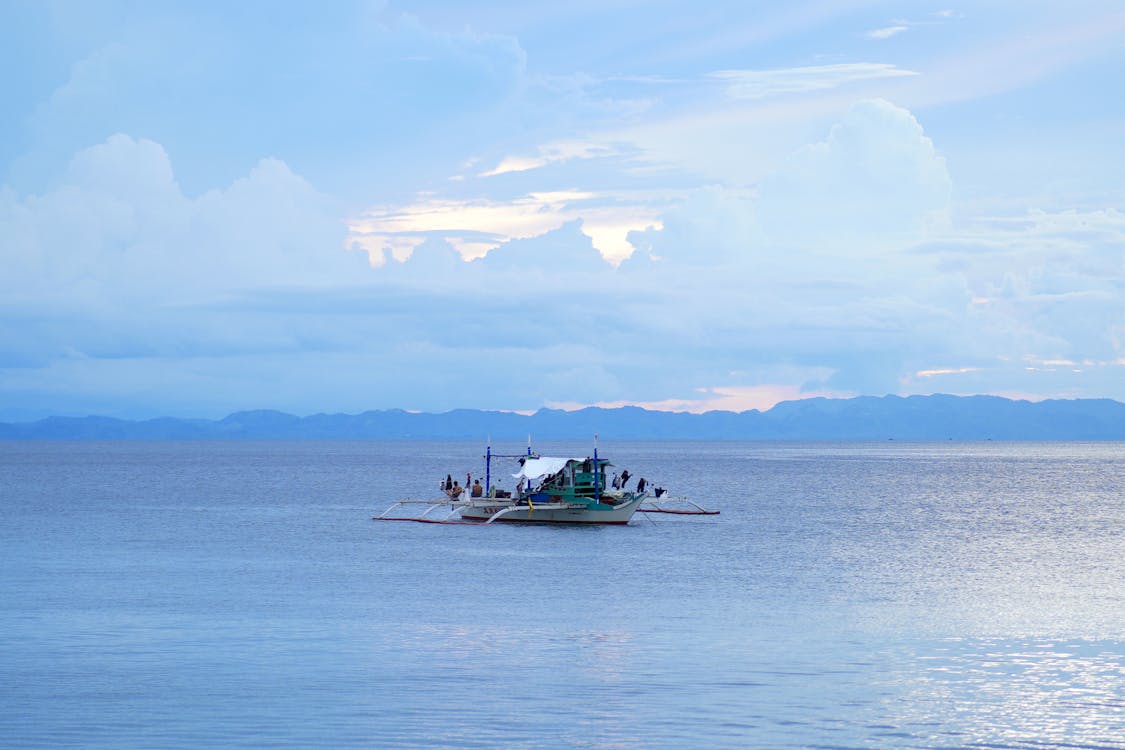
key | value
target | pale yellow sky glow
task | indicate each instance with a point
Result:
(551, 153)
(487, 224)
(722, 398)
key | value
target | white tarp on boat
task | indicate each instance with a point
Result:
(534, 468)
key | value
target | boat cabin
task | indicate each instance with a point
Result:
(574, 477)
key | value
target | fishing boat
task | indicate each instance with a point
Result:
(549, 490)
(558, 490)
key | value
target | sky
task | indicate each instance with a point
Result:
(334, 207)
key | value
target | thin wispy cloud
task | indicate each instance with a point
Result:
(945, 371)
(760, 84)
(886, 32)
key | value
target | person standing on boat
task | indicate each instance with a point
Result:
(624, 478)
(616, 483)
(641, 485)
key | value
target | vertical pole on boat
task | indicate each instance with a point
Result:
(597, 473)
(488, 465)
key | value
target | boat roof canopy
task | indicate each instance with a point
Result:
(541, 466)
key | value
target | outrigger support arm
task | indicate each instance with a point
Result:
(656, 506)
(388, 510)
(504, 512)
(529, 509)
(431, 506)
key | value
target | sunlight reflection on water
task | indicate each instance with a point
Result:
(1017, 694)
(854, 596)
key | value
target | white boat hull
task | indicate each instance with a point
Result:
(483, 510)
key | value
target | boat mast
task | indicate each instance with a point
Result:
(488, 465)
(597, 473)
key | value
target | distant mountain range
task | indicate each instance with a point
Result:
(936, 417)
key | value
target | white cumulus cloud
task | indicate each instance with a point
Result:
(876, 178)
(110, 258)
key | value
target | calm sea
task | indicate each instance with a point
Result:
(192, 595)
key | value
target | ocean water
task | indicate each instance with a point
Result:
(188, 595)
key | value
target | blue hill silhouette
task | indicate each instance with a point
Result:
(937, 417)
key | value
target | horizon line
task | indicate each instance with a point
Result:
(568, 408)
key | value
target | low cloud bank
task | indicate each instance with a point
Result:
(844, 272)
